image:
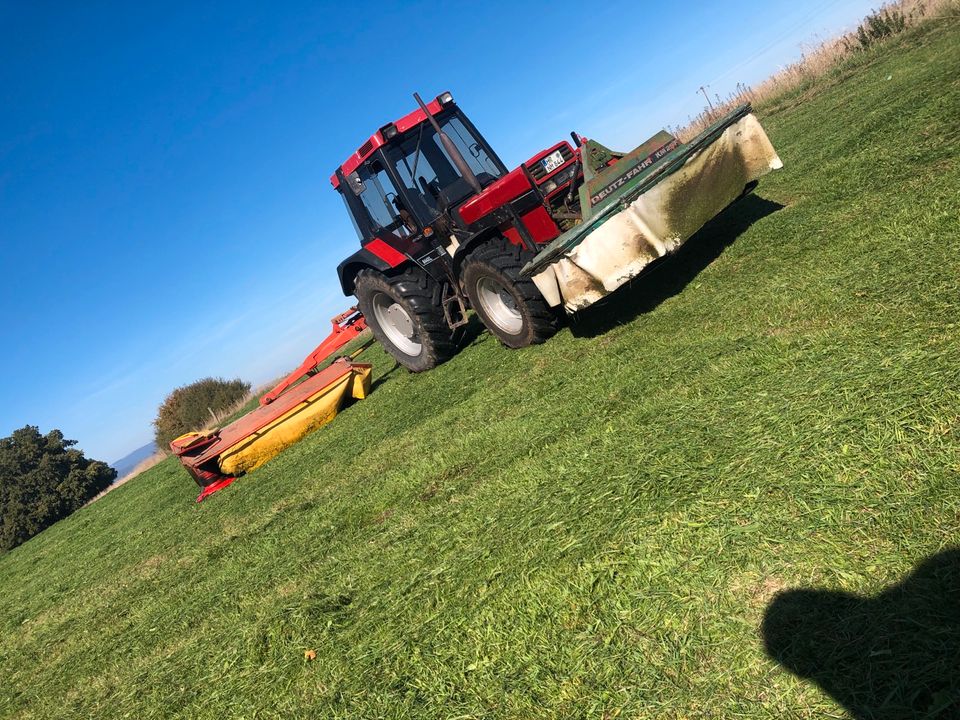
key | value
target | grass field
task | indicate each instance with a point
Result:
(597, 527)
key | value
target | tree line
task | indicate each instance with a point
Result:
(44, 478)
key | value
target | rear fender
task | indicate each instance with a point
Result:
(360, 260)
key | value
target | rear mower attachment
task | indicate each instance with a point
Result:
(302, 402)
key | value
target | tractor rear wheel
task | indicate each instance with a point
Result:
(510, 306)
(406, 317)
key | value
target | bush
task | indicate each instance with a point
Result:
(192, 407)
(880, 25)
(43, 480)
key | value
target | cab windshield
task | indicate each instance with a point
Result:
(423, 166)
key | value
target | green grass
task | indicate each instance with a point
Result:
(589, 528)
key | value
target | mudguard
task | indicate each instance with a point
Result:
(364, 258)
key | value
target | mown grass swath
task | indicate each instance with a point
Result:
(593, 527)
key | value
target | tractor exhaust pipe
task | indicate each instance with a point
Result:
(451, 149)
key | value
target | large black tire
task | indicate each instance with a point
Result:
(510, 306)
(406, 316)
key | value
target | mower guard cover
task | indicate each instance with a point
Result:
(216, 457)
(633, 222)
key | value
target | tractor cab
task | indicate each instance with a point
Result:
(402, 180)
(431, 181)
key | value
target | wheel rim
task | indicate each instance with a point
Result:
(499, 306)
(396, 324)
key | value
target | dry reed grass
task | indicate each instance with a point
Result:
(878, 27)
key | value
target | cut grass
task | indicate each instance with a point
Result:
(589, 528)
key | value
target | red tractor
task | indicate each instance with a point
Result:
(444, 225)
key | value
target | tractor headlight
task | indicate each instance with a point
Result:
(556, 181)
(445, 98)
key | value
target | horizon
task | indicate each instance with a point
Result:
(164, 188)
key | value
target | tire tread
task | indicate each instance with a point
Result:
(508, 259)
(423, 295)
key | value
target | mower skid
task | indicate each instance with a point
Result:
(655, 214)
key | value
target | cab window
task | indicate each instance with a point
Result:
(478, 160)
(429, 173)
(382, 203)
(418, 168)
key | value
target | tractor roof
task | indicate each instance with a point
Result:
(376, 140)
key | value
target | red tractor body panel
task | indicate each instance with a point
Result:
(385, 252)
(510, 186)
(539, 224)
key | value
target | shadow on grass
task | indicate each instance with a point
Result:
(894, 655)
(668, 276)
(464, 337)
(381, 379)
(469, 333)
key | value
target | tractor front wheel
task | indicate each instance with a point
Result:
(406, 317)
(510, 306)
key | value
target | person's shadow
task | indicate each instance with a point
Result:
(894, 655)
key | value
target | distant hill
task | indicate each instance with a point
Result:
(124, 465)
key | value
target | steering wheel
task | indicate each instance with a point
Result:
(431, 188)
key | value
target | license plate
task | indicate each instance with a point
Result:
(552, 161)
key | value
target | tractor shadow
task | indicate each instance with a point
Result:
(464, 337)
(469, 333)
(385, 377)
(669, 275)
(893, 655)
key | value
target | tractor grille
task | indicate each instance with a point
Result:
(537, 170)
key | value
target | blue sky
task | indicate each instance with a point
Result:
(165, 209)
